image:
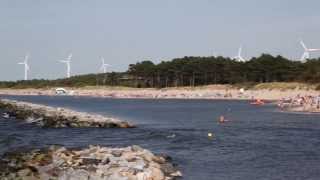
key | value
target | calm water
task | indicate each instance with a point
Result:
(258, 143)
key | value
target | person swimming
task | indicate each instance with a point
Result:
(222, 119)
(258, 102)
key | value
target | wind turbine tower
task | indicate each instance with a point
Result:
(239, 57)
(307, 51)
(68, 63)
(26, 66)
(104, 65)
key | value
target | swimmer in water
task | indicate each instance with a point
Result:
(222, 119)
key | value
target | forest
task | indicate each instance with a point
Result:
(191, 71)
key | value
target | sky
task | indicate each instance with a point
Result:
(127, 31)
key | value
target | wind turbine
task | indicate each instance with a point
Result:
(214, 54)
(104, 65)
(239, 57)
(306, 54)
(67, 62)
(26, 66)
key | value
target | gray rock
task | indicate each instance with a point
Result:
(58, 117)
(116, 153)
(88, 161)
(78, 174)
(136, 148)
(94, 162)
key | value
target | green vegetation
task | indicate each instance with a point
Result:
(193, 71)
(110, 79)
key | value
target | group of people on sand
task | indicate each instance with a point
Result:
(306, 101)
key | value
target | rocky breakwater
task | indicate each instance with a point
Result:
(46, 116)
(130, 163)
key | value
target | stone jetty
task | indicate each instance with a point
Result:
(46, 116)
(95, 162)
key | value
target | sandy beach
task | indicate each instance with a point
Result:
(204, 92)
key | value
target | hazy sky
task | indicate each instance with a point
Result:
(127, 31)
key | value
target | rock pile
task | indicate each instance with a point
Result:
(58, 117)
(130, 163)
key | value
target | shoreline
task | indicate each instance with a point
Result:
(214, 92)
(211, 92)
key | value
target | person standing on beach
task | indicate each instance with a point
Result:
(318, 101)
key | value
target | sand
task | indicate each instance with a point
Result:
(206, 92)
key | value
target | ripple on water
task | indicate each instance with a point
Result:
(258, 142)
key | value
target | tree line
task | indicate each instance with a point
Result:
(192, 71)
(195, 71)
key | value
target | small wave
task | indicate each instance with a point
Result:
(32, 120)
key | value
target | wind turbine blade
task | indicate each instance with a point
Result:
(26, 57)
(69, 57)
(303, 45)
(313, 50)
(240, 51)
(305, 56)
(63, 61)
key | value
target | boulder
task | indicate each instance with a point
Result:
(94, 162)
